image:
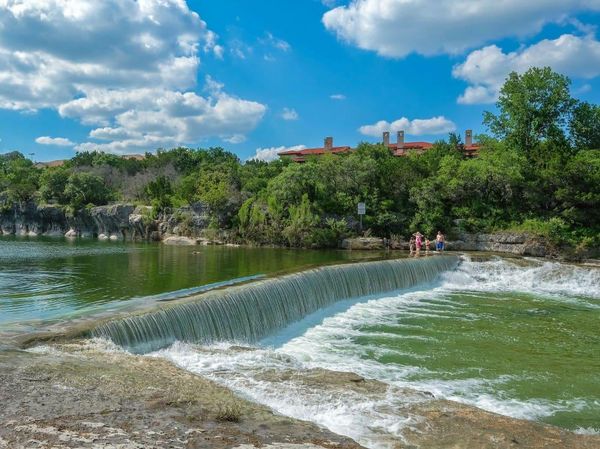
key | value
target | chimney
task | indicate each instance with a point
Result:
(328, 143)
(386, 139)
(400, 139)
(468, 138)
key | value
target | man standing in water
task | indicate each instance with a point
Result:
(440, 241)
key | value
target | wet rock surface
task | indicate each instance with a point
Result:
(75, 396)
(89, 399)
(437, 423)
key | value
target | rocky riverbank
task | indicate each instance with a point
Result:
(76, 395)
(190, 226)
(114, 222)
(516, 243)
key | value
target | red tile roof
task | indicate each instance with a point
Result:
(302, 155)
(58, 163)
(315, 151)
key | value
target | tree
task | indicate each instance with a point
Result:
(52, 185)
(301, 223)
(21, 178)
(534, 107)
(160, 193)
(83, 189)
(585, 126)
(579, 192)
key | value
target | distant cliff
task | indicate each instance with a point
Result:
(115, 222)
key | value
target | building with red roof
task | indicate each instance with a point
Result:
(399, 149)
(302, 155)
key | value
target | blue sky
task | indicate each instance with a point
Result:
(259, 76)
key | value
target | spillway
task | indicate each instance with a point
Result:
(251, 312)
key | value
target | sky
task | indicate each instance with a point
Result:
(261, 76)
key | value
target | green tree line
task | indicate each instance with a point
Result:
(538, 170)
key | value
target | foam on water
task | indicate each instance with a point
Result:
(532, 276)
(267, 376)
(327, 340)
(587, 431)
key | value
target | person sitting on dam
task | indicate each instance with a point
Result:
(440, 242)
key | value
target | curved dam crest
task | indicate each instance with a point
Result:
(253, 311)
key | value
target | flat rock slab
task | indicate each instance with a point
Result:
(89, 399)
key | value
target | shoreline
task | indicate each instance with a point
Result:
(120, 222)
(501, 244)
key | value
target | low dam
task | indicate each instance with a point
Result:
(251, 312)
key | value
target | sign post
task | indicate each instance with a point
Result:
(362, 210)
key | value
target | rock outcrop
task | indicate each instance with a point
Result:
(113, 222)
(365, 243)
(519, 243)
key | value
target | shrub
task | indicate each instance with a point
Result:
(230, 411)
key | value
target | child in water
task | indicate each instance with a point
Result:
(411, 245)
(427, 245)
(418, 241)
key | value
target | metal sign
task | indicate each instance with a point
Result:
(362, 208)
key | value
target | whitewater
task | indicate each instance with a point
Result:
(481, 334)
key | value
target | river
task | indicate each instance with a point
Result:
(514, 336)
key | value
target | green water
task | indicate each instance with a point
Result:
(514, 347)
(49, 279)
(517, 339)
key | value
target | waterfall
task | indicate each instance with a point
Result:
(251, 312)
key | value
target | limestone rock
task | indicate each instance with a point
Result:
(180, 241)
(366, 243)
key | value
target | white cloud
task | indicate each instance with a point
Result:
(585, 88)
(275, 42)
(396, 28)
(416, 127)
(212, 46)
(486, 69)
(235, 139)
(128, 67)
(57, 141)
(240, 49)
(289, 114)
(54, 50)
(271, 154)
(338, 97)
(146, 118)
